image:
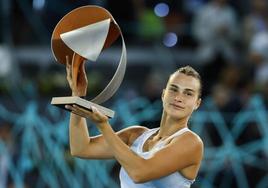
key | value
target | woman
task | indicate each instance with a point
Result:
(168, 156)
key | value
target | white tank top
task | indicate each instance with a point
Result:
(174, 180)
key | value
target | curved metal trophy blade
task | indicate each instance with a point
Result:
(117, 79)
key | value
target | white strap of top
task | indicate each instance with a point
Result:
(177, 134)
(162, 143)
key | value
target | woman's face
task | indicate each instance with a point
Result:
(181, 96)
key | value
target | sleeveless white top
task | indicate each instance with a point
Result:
(174, 180)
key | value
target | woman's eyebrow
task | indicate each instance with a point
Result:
(177, 87)
(188, 89)
(173, 85)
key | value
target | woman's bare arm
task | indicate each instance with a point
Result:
(84, 146)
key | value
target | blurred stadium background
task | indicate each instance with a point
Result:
(227, 41)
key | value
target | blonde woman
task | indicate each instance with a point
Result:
(164, 157)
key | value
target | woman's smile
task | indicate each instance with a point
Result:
(177, 106)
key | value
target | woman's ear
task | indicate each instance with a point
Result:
(198, 103)
(163, 93)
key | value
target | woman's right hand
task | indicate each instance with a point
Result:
(76, 75)
(97, 117)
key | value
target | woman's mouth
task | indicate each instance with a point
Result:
(176, 106)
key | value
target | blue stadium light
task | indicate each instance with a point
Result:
(170, 39)
(39, 4)
(161, 9)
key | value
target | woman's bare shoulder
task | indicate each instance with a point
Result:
(192, 140)
(134, 132)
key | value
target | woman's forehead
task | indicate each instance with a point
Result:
(184, 81)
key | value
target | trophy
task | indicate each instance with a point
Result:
(82, 34)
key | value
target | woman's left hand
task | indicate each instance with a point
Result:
(95, 115)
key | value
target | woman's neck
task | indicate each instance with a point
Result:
(169, 125)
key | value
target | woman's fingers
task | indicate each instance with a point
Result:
(67, 59)
(79, 114)
(68, 63)
(82, 77)
(82, 67)
(98, 114)
(96, 111)
(68, 69)
(79, 111)
(95, 115)
(75, 108)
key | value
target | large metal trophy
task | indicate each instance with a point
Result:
(81, 35)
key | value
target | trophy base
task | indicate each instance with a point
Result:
(62, 101)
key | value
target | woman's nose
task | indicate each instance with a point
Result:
(178, 97)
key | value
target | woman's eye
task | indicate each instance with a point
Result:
(189, 94)
(173, 89)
